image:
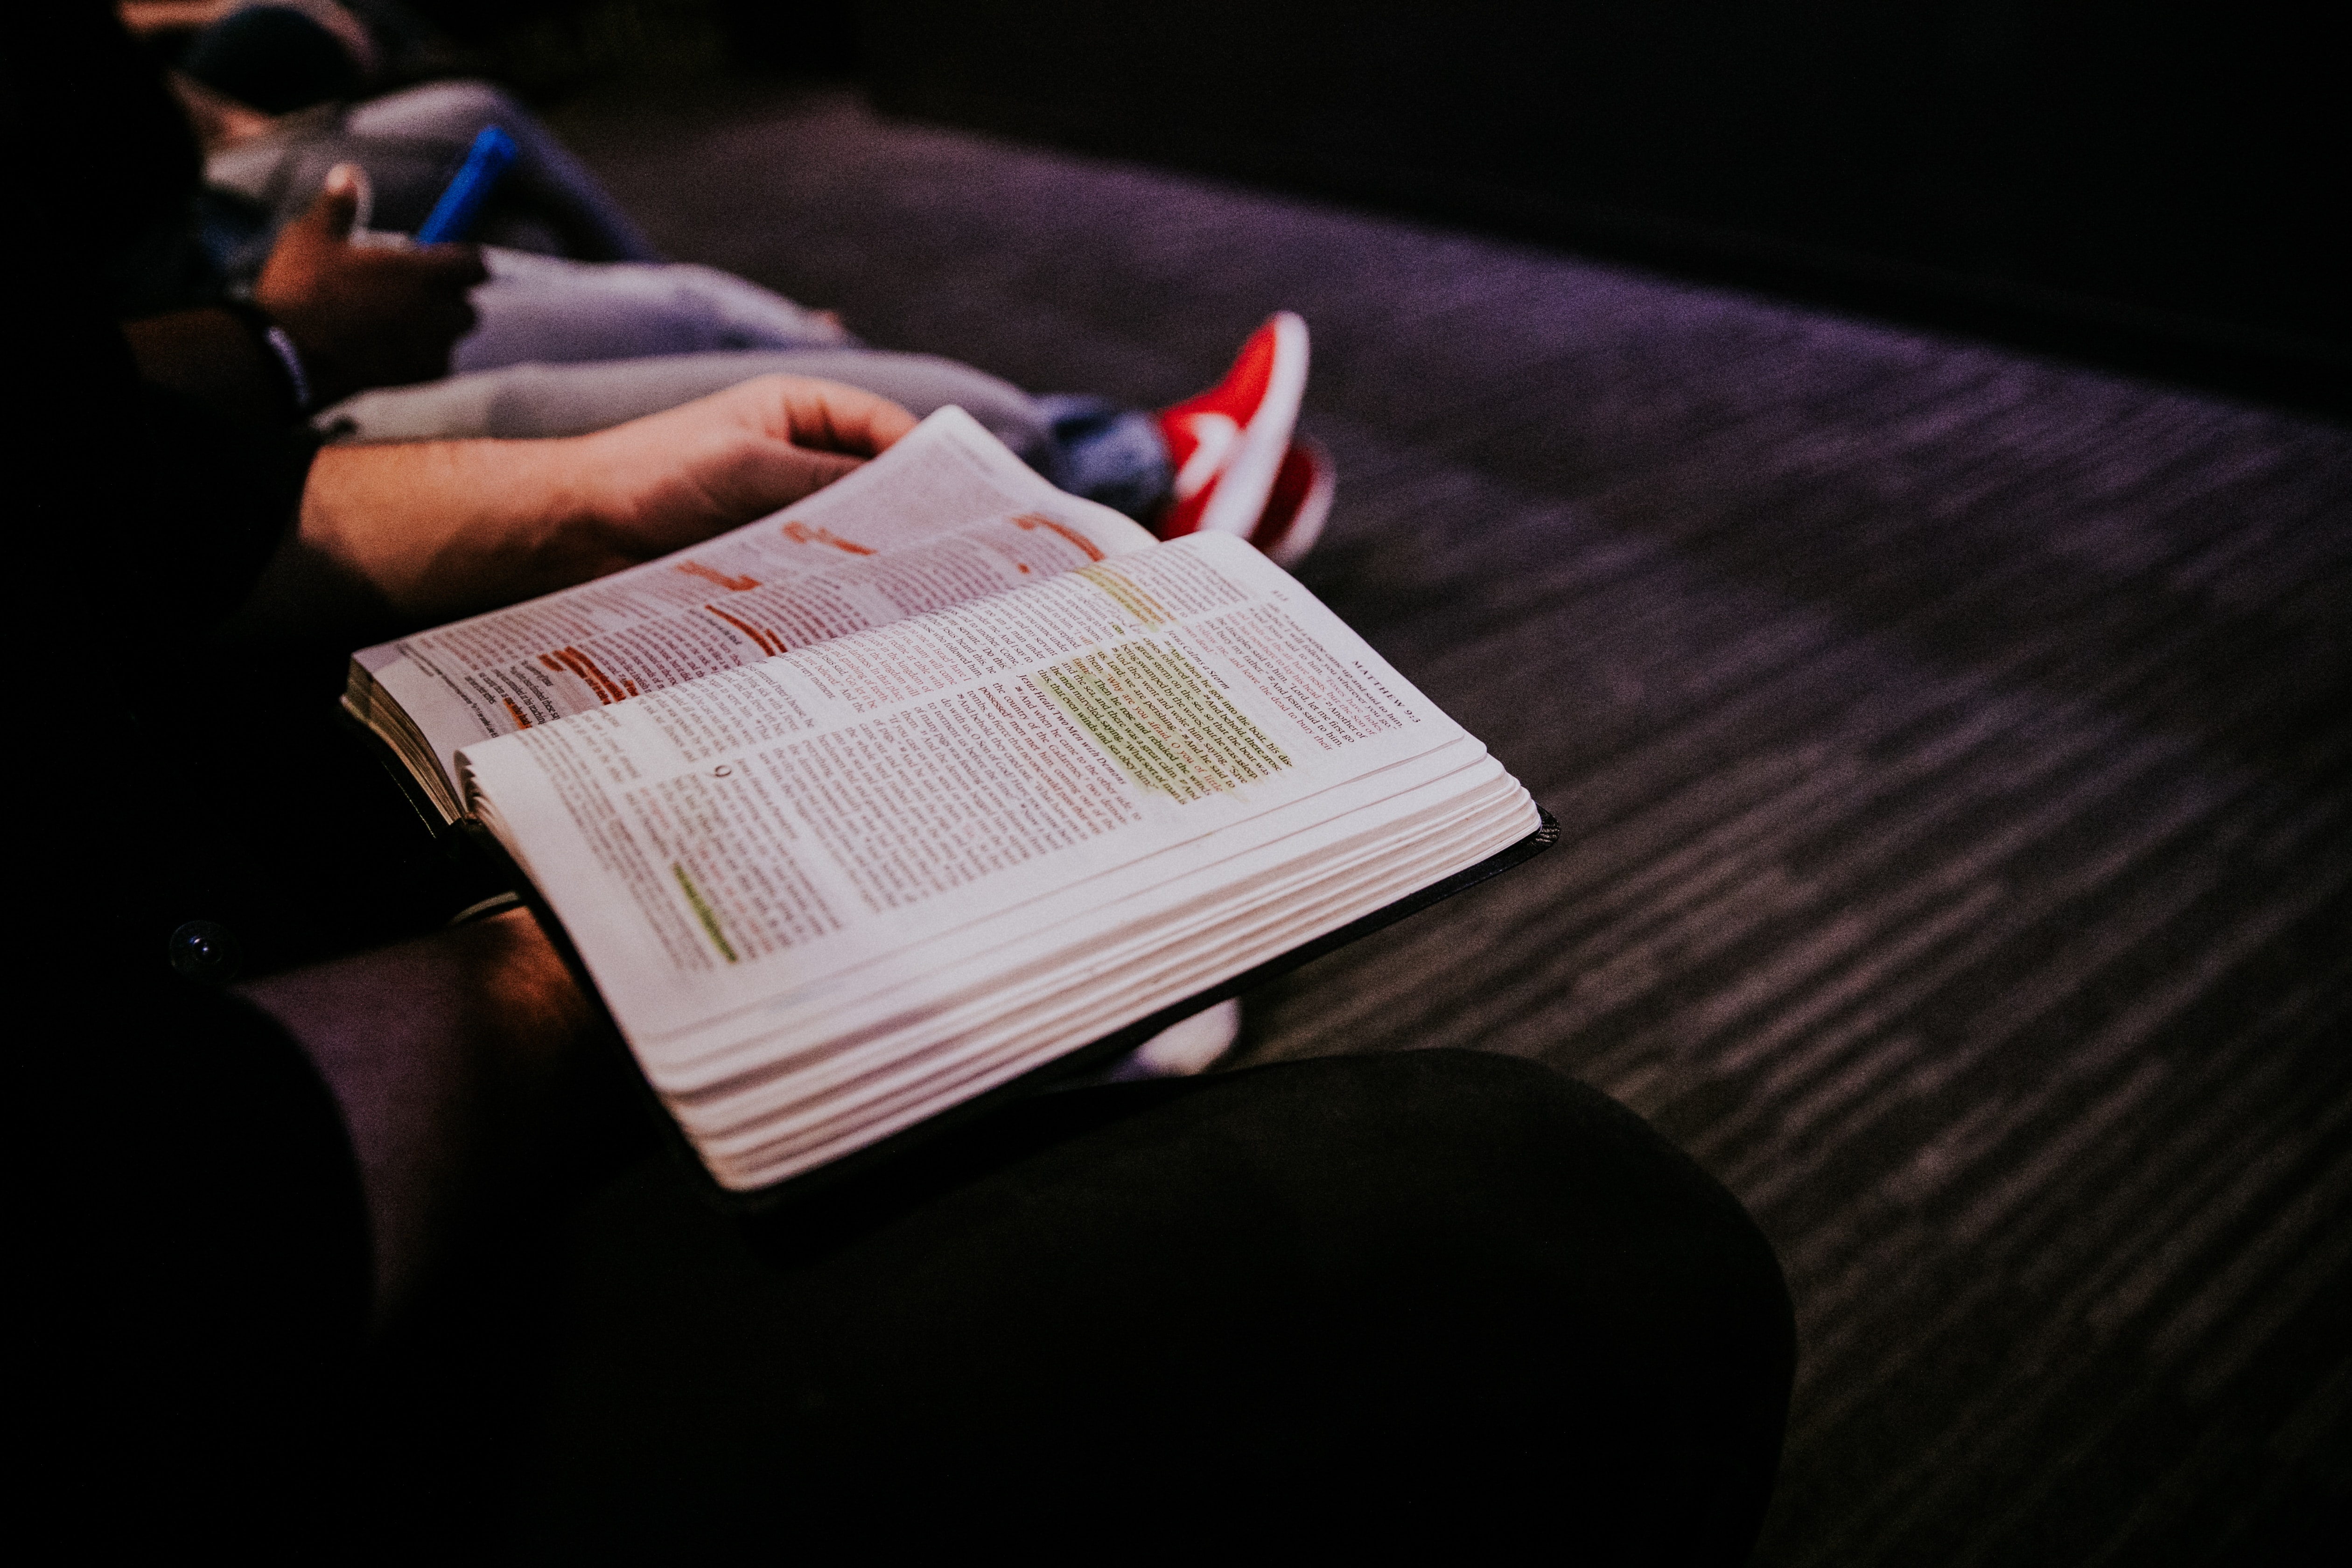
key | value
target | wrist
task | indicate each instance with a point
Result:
(292, 373)
(595, 483)
(564, 518)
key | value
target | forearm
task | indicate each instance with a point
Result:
(163, 16)
(443, 528)
(429, 530)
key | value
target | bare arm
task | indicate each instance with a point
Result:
(158, 16)
(432, 530)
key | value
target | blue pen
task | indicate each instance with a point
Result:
(454, 213)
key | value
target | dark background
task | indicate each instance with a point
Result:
(2151, 186)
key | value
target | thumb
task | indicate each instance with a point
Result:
(804, 470)
(774, 474)
(337, 207)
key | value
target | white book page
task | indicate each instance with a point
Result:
(1180, 895)
(1129, 959)
(769, 833)
(800, 1114)
(946, 516)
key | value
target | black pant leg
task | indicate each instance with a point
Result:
(1364, 1296)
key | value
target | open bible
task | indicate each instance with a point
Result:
(873, 806)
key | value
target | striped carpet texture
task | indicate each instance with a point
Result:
(1952, 748)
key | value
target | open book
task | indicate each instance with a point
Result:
(872, 806)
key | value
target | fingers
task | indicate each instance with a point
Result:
(341, 205)
(337, 207)
(736, 483)
(448, 267)
(672, 477)
(448, 264)
(821, 415)
(837, 418)
(805, 472)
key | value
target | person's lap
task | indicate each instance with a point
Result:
(548, 310)
(1367, 1292)
(529, 400)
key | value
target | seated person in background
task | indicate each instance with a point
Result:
(687, 331)
(325, 319)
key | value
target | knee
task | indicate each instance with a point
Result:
(1590, 1309)
(1550, 1177)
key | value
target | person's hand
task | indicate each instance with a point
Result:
(430, 530)
(671, 478)
(366, 315)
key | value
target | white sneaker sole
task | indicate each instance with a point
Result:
(1307, 526)
(1182, 1050)
(1248, 478)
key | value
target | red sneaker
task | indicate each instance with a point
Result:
(1228, 444)
(1300, 500)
